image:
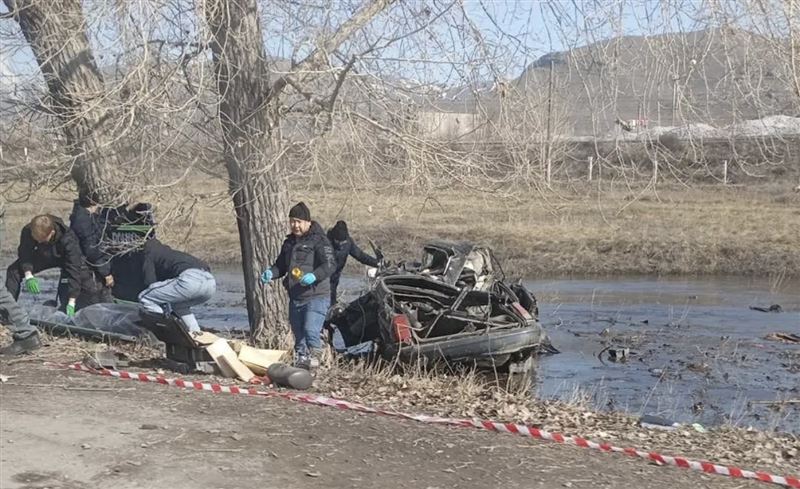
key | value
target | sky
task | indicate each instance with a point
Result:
(520, 31)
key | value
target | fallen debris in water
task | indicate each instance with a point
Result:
(772, 308)
(619, 354)
(783, 337)
(777, 403)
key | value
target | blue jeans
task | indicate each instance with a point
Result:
(306, 319)
(192, 287)
(358, 350)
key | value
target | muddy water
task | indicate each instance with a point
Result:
(698, 352)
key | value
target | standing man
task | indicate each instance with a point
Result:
(306, 263)
(175, 281)
(343, 247)
(46, 242)
(26, 336)
(85, 221)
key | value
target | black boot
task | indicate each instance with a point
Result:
(18, 347)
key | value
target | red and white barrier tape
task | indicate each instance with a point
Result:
(518, 429)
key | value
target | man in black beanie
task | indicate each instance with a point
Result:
(306, 263)
(343, 247)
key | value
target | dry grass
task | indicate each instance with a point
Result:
(473, 395)
(577, 230)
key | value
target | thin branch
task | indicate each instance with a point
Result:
(326, 46)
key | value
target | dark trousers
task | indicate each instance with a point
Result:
(93, 290)
(334, 287)
(88, 295)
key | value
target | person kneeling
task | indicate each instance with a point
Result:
(175, 282)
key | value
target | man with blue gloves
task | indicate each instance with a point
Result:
(306, 263)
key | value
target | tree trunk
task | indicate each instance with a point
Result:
(259, 192)
(55, 30)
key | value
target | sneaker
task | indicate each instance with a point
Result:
(314, 361)
(18, 347)
(303, 362)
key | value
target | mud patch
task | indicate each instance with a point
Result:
(41, 480)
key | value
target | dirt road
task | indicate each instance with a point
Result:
(66, 430)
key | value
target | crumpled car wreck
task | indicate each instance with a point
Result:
(454, 307)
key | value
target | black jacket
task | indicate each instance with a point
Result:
(89, 230)
(343, 249)
(310, 253)
(163, 263)
(63, 251)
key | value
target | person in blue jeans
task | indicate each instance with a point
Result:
(306, 263)
(175, 281)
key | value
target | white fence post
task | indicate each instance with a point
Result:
(591, 166)
(655, 171)
(725, 172)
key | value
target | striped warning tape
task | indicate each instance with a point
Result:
(518, 429)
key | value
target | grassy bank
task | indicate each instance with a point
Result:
(578, 230)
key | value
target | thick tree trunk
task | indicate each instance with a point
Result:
(55, 30)
(259, 191)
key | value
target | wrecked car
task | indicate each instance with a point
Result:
(453, 306)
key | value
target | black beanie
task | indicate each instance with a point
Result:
(300, 211)
(339, 231)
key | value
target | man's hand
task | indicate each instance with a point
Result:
(32, 283)
(266, 276)
(109, 281)
(308, 279)
(71, 308)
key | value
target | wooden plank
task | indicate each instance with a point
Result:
(229, 364)
(259, 360)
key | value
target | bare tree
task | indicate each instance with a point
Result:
(56, 33)
(249, 111)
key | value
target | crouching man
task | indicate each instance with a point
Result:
(306, 263)
(48, 243)
(175, 282)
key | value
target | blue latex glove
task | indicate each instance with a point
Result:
(308, 279)
(70, 310)
(266, 276)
